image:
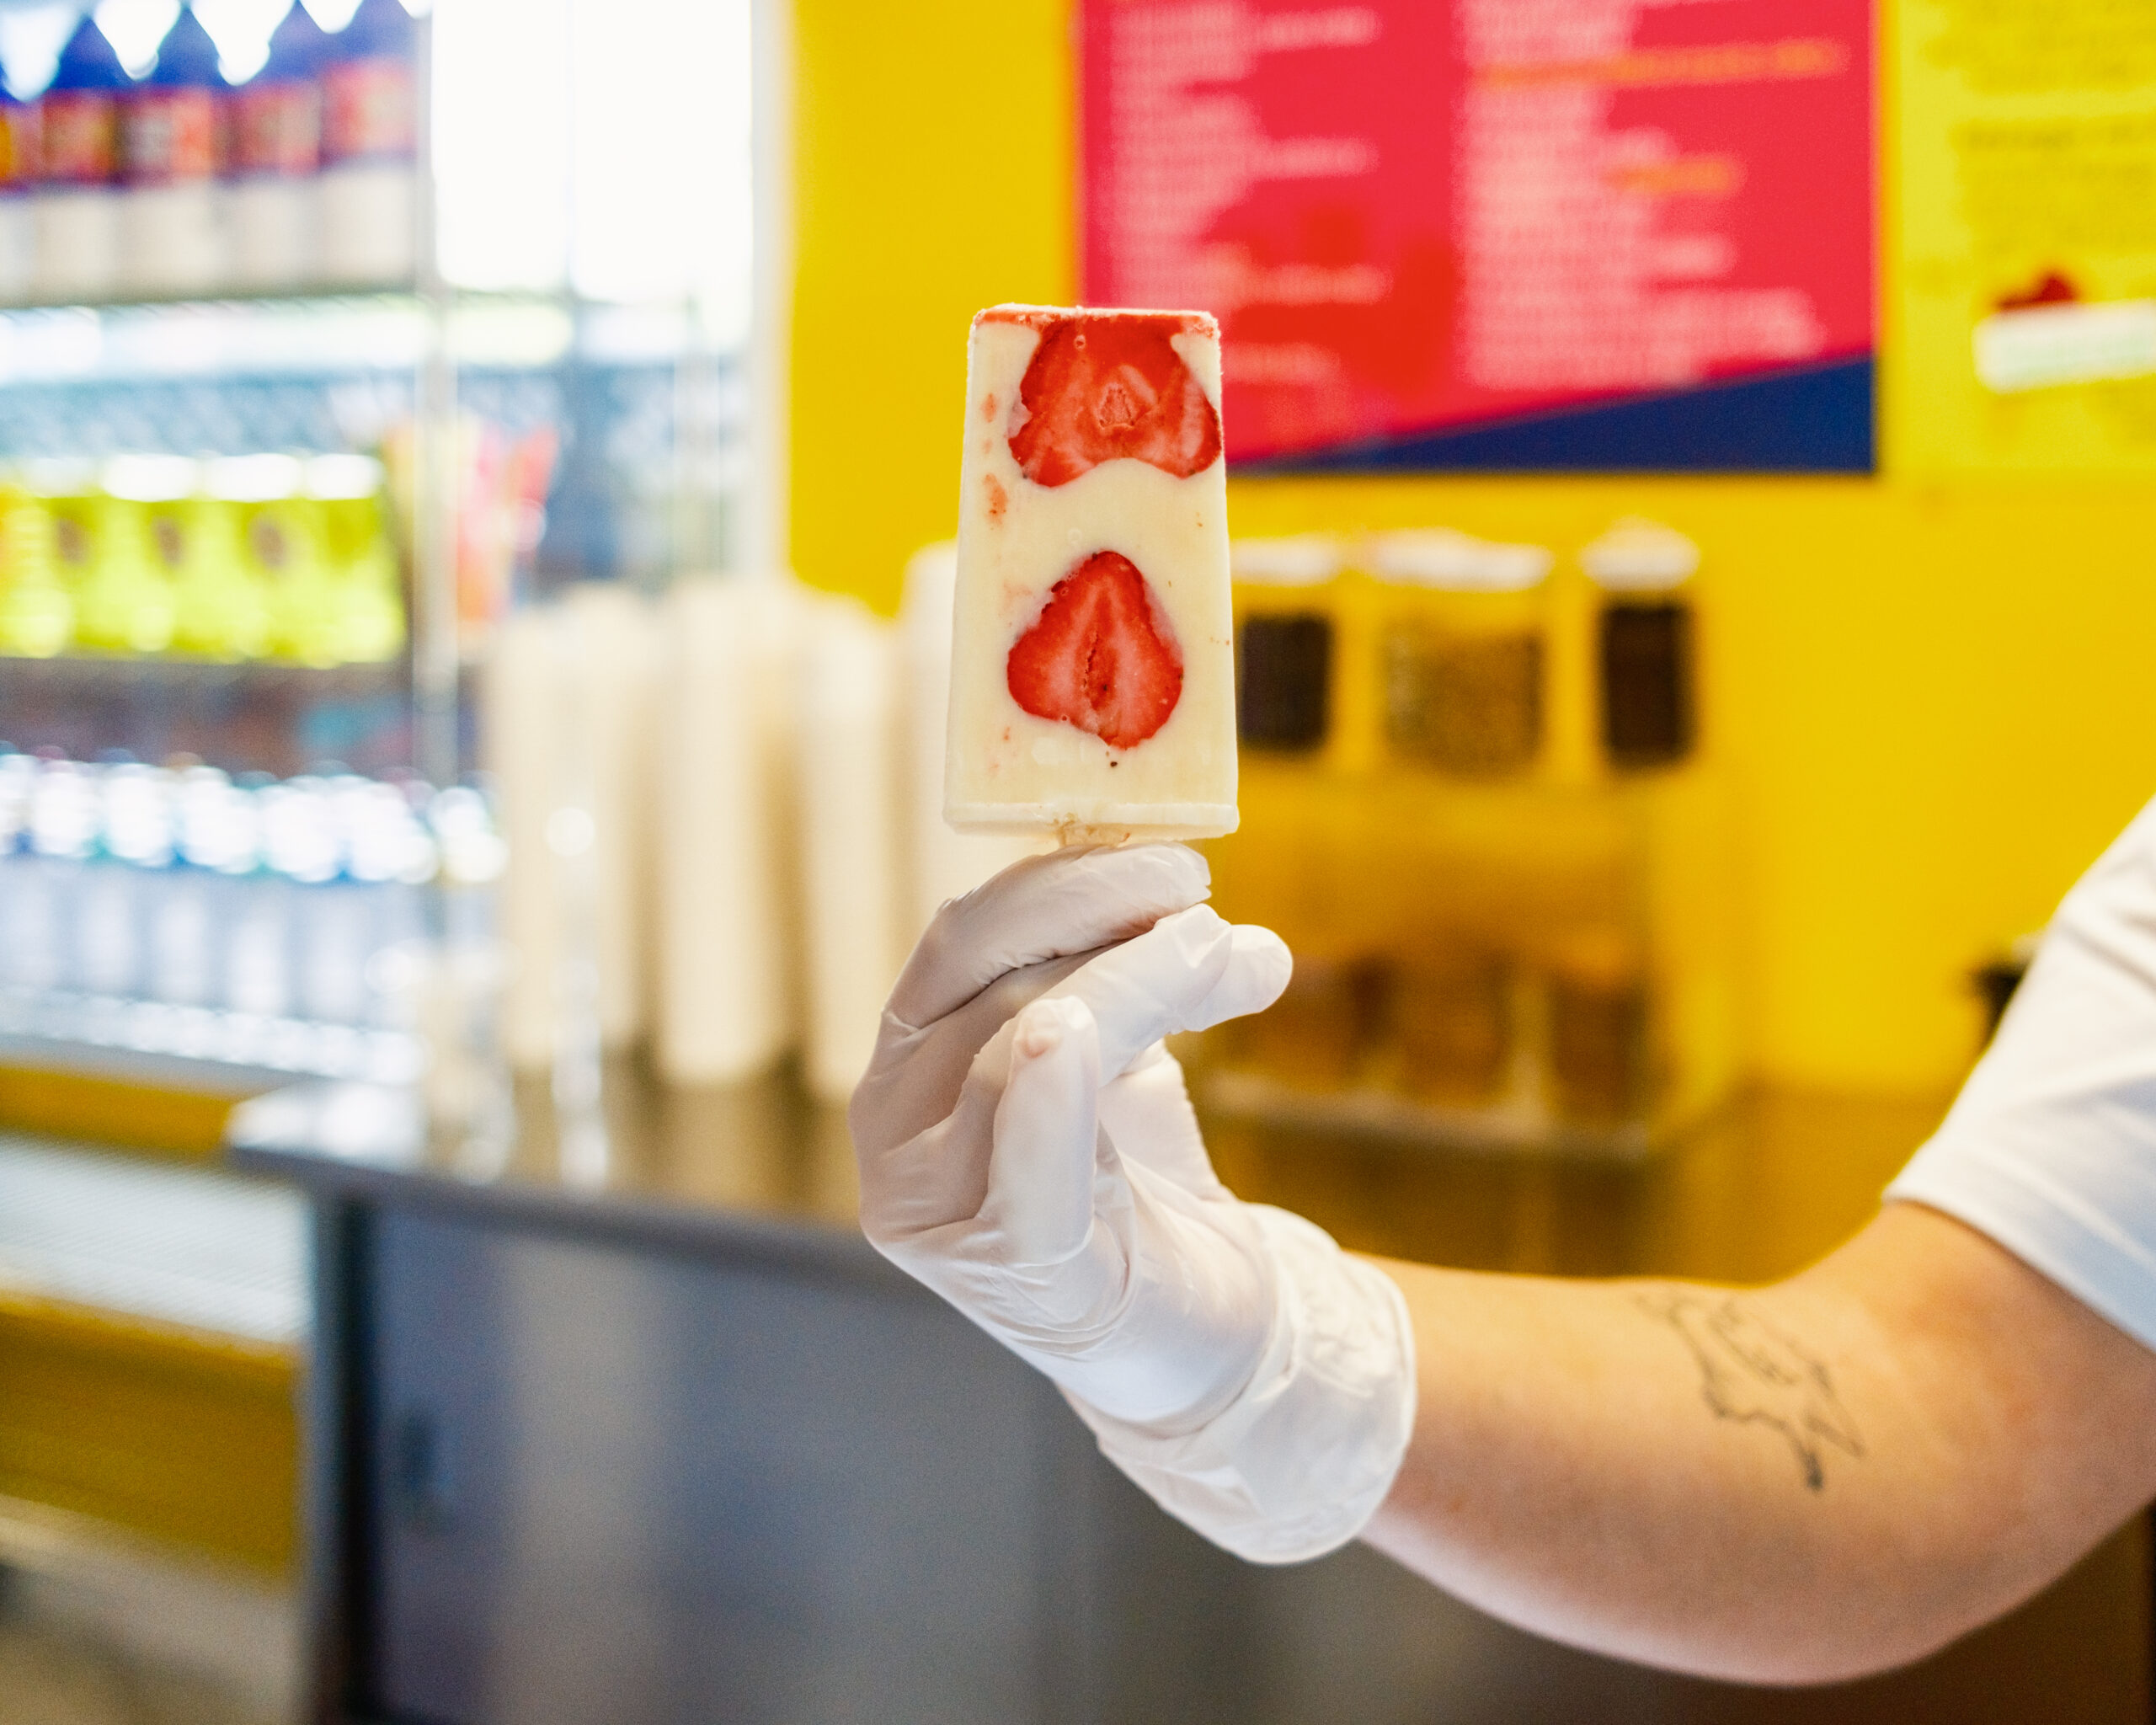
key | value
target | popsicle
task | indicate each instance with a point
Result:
(1092, 688)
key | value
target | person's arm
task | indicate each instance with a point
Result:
(1801, 1482)
(1807, 1481)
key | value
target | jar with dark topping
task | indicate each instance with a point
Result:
(1285, 649)
(1645, 646)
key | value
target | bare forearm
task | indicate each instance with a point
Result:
(1788, 1484)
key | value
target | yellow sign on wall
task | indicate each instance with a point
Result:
(2023, 331)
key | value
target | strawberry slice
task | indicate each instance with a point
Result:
(1100, 655)
(1100, 388)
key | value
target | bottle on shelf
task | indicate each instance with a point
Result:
(62, 830)
(276, 156)
(368, 587)
(78, 170)
(182, 934)
(37, 612)
(172, 230)
(117, 888)
(18, 182)
(221, 599)
(285, 537)
(369, 184)
(125, 601)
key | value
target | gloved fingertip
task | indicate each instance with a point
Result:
(1271, 964)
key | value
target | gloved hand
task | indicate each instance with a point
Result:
(1027, 1151)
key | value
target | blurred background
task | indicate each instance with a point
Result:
(476, 488)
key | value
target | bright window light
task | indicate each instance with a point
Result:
(332, 15)
(134, 28)
(31, 38)
(602, 145)
(241, 29)
(661, 148)
(501, 113)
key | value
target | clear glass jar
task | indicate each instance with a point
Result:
(1462, 665)
(1597, 1032)
(1646, 649)
(1451, 1020)
(1284, 651)
(1314, 1036)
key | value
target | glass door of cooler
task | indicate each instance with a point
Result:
(426, 322)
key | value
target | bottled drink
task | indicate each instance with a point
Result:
(172, 232)
(37, 614)
(276, 155)
(125, 886)
(368, 588)
(78, 170)
(287, 538)
(18, 180)
(259, 931)
(124, 604)
(370, 149)
(19, 909)
(63, 835)
(221, 605)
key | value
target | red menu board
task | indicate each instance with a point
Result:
(1418, 220)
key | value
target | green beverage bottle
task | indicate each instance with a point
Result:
(282, 547)
(369, 587)
(37, 613)
(123, 602)
(223, 600)
(288, 539)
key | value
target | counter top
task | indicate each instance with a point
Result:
(1772, 1182)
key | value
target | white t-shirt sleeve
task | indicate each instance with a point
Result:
(2051, 1148)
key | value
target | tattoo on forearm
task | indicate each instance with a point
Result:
(1752, 1373)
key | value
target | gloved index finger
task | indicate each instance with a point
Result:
(1189, 972)
(1047, 907)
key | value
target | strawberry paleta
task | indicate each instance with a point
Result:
(1092, 672)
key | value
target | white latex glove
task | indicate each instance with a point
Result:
(1044, 1173)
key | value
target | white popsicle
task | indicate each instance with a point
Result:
(944, 863)
(1093, 652)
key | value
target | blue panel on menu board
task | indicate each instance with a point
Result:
(1816, 420)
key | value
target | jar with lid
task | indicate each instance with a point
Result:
(1313, 1038)
(1284, 641)
(1463, 661)
(1598, 1029)
(1450, 1014)
(1644, 641)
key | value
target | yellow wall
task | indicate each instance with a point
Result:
(1935, 703)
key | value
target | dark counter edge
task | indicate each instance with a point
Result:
(825, 1249)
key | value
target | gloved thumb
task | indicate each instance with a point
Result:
(1040, 1180)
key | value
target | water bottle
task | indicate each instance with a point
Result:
(258, 930)
(64, 819)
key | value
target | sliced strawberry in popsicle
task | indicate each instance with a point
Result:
(1100, 655)
(1100, 388)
